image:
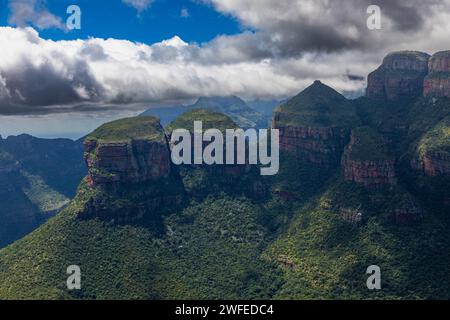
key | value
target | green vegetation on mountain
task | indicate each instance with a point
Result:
(318, 106)
(131, 261)
(145, 127)
(437, 139)
(37, 178)
(368, 145)
(234, 107)
(210, 120)
(324, 256)
(39, 193)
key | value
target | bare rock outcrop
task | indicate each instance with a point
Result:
(366, 160)
(433, 164)
(401, 75)
(129, 172)
(437, 82)
(127, 158)
(322, 146)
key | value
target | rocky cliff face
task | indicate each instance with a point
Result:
(401, 75)
(366, 160)
(369, 173)
(315, 125)
(433, 164)
(126, 162)
(129, 172)
(432, 152)
(123, 159)
(322, 146)
(201, 179)
(437, 82)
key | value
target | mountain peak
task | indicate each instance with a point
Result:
(314, 98)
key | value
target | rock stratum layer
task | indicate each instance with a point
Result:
(372, 168)
(432, 154)
(437, 82)
(322, 146)
(129, 171)
(315, 125)
(401, 75)
(113, 157)
(433, 164)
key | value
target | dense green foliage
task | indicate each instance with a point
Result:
(236, 234)
(210, 120)
(437, 139)
(37, 178)
(368, 145)
(318, 106)
(145, 127)
(208, 250)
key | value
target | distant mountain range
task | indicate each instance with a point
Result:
(256, 113)
(38, 177)
(362, 182)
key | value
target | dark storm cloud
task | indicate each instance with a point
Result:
(27, 86)
(290, 28)
(406, 15)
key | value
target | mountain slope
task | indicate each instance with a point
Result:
(38, 176)
(172, 250)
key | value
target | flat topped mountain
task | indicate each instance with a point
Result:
(127, 151)
(316, 106)
(210, 120)
(437, 82)
(400, 76)
(406, 61)
(145, 128)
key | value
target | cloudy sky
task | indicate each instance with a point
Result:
(133, 53)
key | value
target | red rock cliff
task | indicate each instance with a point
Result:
(322, 146)
(127, 157)
(433, 164)
(129, 162)
(315, 125)
(364, 163)
(437, 82)
(401, 75)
